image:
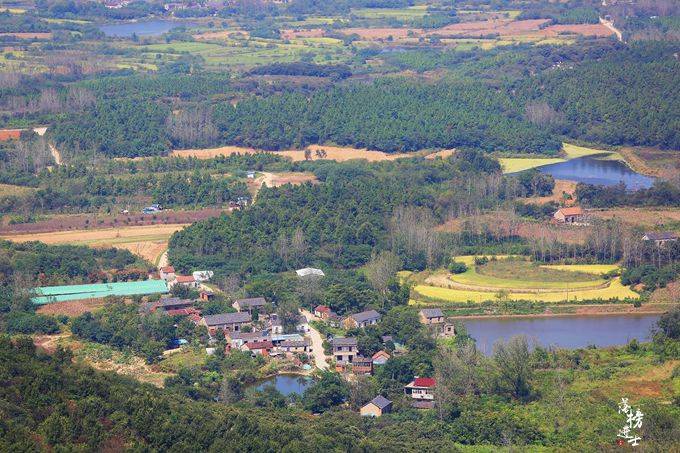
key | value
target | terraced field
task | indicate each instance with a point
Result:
(512, 278)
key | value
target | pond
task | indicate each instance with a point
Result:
(286, 383)
(591, 170)
(142, 28)
(563, 331)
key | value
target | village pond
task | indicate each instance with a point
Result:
(142, 28)
(594, 170)
(285, 383)
(563, 331)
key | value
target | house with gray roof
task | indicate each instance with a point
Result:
(361, 320)
(376, 407)
(250, 304)
(228, 322)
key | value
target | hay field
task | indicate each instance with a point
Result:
(642, 217)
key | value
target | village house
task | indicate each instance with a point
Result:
(429, 316)
(421, 388)
(322, 311)
(661, 238)
(302, 325)
(238, 339)
(361, 320)
(295, 346)
(362, 365)
(280, 338)
(262, 348)
(186, 280)
(344, 349)
(228, 322)
(275, 324)
(206, 296)
(167, 273)
(376, 407)
(254, 303)
(573, 215)
(380, 358)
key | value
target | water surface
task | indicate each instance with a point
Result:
(563, 331)
(142, 28)
(599, 172)
(286, 383)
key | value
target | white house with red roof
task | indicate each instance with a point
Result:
(421, 388)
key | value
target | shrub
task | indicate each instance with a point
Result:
(456, 267)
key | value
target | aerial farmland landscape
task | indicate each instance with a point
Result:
(339, 225)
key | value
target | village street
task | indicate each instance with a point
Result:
(317, 342)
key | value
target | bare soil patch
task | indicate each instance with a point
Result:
(92, 222)
(671, 293)
(29, 35)
(71, 308)
(444, 153)
(301, 33)
(279, 179)
(95, 237)
(502, 27)
(336, 153)
(148, 250)
(370, 34)
(10, 134)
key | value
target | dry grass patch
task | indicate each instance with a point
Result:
(562, 187)
(71, 308)
(642, 217)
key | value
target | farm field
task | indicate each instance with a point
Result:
(498, 280)
(518, 164)
(336, 153)
(147, 241)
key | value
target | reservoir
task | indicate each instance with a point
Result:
(563, 331)
(591, 170)
(286, 383)
(142, 28)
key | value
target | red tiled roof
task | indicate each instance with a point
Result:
(424, 382)
(381, 354)
(185, 279)
(574, 210)
(168, 269)
(260, 345)
(322, 308)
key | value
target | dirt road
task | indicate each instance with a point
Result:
(610, 25)
(317, 342)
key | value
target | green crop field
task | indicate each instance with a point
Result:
(511, 278)
(388, 13)
(435, 295)
(517, 164)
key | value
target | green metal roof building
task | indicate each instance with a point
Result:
(50, 294)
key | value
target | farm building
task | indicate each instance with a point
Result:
(185, 280)
(50, 294)
(574, 214)
(430, 316)
(380, 358)
(167, 273)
